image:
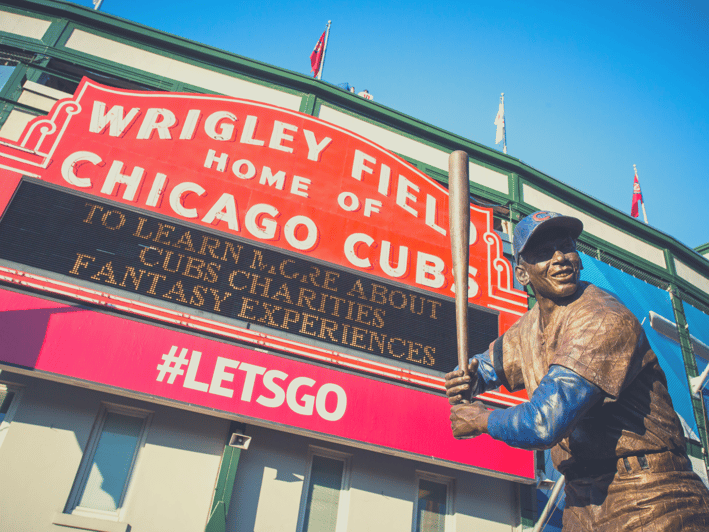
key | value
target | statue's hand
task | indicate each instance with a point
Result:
(469, 420)
(458, 385)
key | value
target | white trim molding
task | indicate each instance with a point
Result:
(692, 276)
(595, 227)
(32, 28)
(413, 148)
(96, 46)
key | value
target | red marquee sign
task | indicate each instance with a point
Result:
(278, 179)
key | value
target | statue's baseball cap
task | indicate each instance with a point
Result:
(539, 220)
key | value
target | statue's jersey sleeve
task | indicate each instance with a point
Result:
(595, 336)
(599, 341)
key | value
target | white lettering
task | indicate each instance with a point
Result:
(212, 157)
(431, 214)
(267, 178)
(306, 408)
(429, 270)
(250, 169)
(315, 149)
(247, 134)
(114, 118)
(191, 381)
(156, 191)
(221, 375)
(176, 198)
(300, 395)
(358, 166)
(160, 120)
(223, 210)
(267, 230)
(279, 135)
(352, 243)
(311, 233)
(321, 398)
(251, 372)
(348, 201)
(70, 164)
(279, 396)
(371, 205)
(384, 178)
(473, 234)
(190, 125)
(226, 130)
(115, 177)
(402, 262)
(299, 186)
(403, 195)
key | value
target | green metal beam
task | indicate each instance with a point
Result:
(690, 365)
(225, 483)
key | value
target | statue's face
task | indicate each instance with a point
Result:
(551, 264)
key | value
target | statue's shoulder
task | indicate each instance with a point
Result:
(529, 321)
(597, 304)
(593, 297)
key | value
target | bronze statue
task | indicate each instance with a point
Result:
(598, 397)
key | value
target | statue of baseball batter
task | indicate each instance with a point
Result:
(598, 397)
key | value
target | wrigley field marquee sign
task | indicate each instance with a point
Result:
(295, 233)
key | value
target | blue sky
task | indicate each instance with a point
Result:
(591, 88)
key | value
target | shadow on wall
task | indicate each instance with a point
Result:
(22, 333)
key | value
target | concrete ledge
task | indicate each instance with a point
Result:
(79, 522)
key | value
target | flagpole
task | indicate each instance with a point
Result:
(504, 128)
(97, 5)
(642, 202)
(324, 49)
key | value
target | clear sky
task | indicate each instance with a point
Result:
(591, 88)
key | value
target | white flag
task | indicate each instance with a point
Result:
(500, 123)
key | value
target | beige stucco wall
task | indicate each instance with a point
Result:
(173, 480)
(382, 489)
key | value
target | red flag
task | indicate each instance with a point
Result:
(637, 198)
(316, 56)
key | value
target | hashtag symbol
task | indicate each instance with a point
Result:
(172, 364)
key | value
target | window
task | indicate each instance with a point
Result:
(65, 77)
(6, 397)
(6, 71)
(324, 506)
(104, 475)
(9, 59)
(9, 398)
(432, 503)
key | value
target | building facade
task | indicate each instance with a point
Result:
(226, 295)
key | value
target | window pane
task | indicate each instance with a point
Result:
(5, 72)
(5, 401)
(112, 461)
(431, 506)
(323, 495)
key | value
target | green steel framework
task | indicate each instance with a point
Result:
(33, 59)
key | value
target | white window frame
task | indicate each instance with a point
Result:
(449, 517)
(12, 409)
(82, 475)
(343, 504)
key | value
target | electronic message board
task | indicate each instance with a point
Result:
(125, 249)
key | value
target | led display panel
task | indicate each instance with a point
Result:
(131, 251)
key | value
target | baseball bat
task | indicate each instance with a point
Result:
(459, 224)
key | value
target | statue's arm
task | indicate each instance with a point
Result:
(482, 377)
(562, 398)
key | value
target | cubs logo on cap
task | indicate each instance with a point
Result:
(541, 216)
(547, 219)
